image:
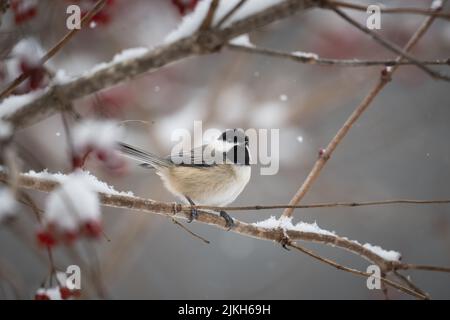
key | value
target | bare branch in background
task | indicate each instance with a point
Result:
(326, 205)
(199, 43)
(413, 292)
(399, 10)
(230, 13)
(390, 46)
(313, 58)
(325, 154)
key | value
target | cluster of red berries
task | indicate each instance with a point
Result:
(64, 292)
(25, 59)
(37, 77)
(51, 235)
(23, 10)
(185, 6)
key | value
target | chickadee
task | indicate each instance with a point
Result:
(213, 174)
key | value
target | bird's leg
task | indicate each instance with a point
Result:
(194, 212)
(229, 222)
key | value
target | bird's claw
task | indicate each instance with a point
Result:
(193, 215)
(285, 242)
(229, 222)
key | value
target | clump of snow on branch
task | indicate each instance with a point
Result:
(306, 55)
(91, 180)
(29, 49)
(99, 137)
(285, 223)
(389, 255)
(191, 22)
(74, 202)
(12, 104)
(242, 40)
(436, 4)
(7, 203)
(61, 77)
(71, 210)
(127, 54)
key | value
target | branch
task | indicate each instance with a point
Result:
(230, 13)
(207, 22)
(324, 205)
(414, 291)
(278, 235)
(314, 58)
(410, 284)
(325, 154)
(199, 43)
(389, 45)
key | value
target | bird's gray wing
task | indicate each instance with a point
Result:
(203, 156)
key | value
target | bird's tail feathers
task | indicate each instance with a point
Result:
(148, 159)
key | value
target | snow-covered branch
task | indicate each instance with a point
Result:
(272, 229)
(27, 110)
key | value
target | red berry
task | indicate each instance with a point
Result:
(102, 155)
(79, 159)
(41, 296)
(184, 6)
(45, 238)
(23, 10)
(93, 229)
(66, 293)
(36, 75)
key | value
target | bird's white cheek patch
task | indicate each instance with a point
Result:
(222, 146)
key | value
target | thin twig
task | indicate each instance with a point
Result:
(230, 13)
(389, 45)
(408, 266)
(325, 154)
(207, 22)
(189, 231)
(50, 53)
(409, 283)
(314, 59)
(323, 205)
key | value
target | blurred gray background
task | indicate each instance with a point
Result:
(398, 149)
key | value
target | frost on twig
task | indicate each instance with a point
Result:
(91, 180)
